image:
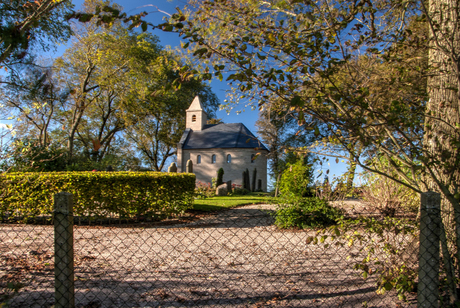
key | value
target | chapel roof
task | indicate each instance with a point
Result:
(231, 135)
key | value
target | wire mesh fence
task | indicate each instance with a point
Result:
(234, 258)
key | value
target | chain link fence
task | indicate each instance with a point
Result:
(233, 258)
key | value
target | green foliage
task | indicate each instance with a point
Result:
(254, 179)
(306, 213)
(246, 184)
(239, 191)
(295, 179)
(204, 190)
(220, 177)
(25, 24)
(97, 194)
(386, 195)
(213, 182)
(382, 248)
(28, 156)
(332, 189)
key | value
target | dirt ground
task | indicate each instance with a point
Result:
(236, 258)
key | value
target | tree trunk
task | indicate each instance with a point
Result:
(350, 175)
(441, 140)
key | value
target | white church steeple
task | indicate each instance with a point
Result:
(196, 117)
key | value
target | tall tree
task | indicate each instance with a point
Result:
(33, 98)
(297, 50)
(157, 119)
(96, 69)
(122, 82)
(27, 24)
(281, 132)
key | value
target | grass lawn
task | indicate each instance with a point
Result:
(225, 202)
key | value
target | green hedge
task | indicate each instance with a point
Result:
(97, 194)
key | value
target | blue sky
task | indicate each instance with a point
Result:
(158, 10)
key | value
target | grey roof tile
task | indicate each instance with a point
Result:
(232, 135)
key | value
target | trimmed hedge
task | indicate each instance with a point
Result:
(97, 194)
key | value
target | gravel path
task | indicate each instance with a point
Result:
(236, 258)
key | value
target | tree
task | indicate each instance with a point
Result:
(34, 97)
(156, 115)
(307, 57)
(279, 129)
(122, 83)
(25, 24)
(97, 70)
(366, 69)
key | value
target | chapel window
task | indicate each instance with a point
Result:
(213, 159)
(198, 159)
(229, 159)
(193, 118)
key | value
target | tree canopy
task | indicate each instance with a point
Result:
(381, 74)
(25, 25)
(114, 93)
(360, 68)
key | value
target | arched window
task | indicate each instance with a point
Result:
(193, 118)
(229, 159)
(198, 159)
(253, 157)
(213, 159)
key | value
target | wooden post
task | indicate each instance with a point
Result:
(428, 270)
(63, 251)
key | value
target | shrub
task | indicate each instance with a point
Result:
(306, 213)
(254, 177)
(204, 190)
(240, 191)
(295, 179)
(386, 195)
(332, 191)
(97, 194)
(28, 156)
(246, 184)
(220, 177)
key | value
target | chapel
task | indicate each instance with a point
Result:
(229, 146)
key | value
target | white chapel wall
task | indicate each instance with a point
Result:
(240, 160)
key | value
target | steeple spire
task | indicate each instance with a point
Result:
(196, 117)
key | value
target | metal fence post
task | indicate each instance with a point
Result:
(63, 251)
(428, 271)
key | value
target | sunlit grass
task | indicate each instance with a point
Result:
(225, 202)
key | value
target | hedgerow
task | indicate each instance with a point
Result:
(97, 194)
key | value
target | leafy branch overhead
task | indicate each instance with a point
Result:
(26, 25)
(381, 76)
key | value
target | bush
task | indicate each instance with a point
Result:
(334, 190)
(246, 184)
(295, 180)
(386, 195)
(204, 190)
(220, 177)
(306, 213)
(97, 194)
(28, 156)
(240, 191)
